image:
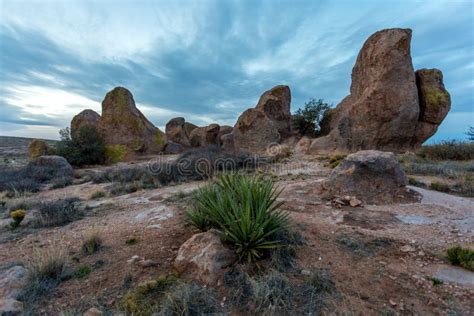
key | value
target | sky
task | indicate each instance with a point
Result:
(210, 60)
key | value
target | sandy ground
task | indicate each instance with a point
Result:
(379, 255)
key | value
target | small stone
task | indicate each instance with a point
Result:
(148, 263)
(305, 272)
(93, 312)
(392, 302)
(354, 202)
(10, 307)
(407, 248)
(134, 259)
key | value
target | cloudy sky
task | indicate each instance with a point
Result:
(210, 60)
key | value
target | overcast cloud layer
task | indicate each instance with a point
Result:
(210, 60)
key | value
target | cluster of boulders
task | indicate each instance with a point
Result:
(390, 107)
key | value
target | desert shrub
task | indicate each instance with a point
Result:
(438, 186)
(61, 182)
(188, 299)
(245, 209)
(92, 242)
(86, 147)
(98, 195)
(146, 297)
(46, 268)
(115, 153)
(15, 181)
(272, 294)
(17, 217)
(307, 121)
(448, 150)
(283, 258)
(57, 213)
(131, 241)
(315, 291)
(460, 256)
(82, 272)
(240, 284)
(335, 160)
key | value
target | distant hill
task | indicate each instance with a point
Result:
(14, 150)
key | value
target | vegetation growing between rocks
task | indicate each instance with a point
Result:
(85, 147)
(307, 121)
(57, 213)
(460, 256)
(448, 150)
(245, 209)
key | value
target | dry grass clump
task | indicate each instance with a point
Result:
(57, 213)
(448, 150)
(92, 242)
(98, 194)
(460, 256)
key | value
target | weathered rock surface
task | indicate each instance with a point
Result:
(254, 132)
(39, 148)
(203, 136)
(12, 280)
(275, 103)
(189, 127)
(172, 148)
(175, 131)
(224, 130)
(10, 307)
(386, 109)
(435, 103)
(370, 175)
(203, 257)
(55, 166)
(122, 123)
(87, 118)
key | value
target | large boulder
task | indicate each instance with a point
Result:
(10, 307)
(49, 166)
(175, 131)
(188, 128)
(254, 132)
(87, 118)
(12, 281)
(122, 123)
(383, 110)
(39, 148)
(435, 103)
(224, 130)
(370, 175)
(275, 103)
(204, 136)
(204, 257)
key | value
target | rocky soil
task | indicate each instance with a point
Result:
(383, 258)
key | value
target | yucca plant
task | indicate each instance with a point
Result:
(245, 209)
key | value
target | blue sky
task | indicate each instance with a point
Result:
(210, 60)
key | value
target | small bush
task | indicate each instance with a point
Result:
(188, 299)
(46, 268)
(245, 209)
(272, 294)
(85, 147)
(82, 272)
(146, 297)
(131, 241)
(435, 281)
(461, 256)
(92, 242)
(61, 182)
(438, 186)
(57, 213)
(98, 195)
(307, 121)
(335, 160)
(283, 258)
(17, 217)
(115, 153)
(448, 150)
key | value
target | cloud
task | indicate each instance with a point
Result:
(209, 60)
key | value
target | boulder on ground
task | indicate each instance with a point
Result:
(51, 166)
(175, 131)
(39, 148)
(172, 148)
(388, 108)
(275, 103)
(370, 175)
(204, 258)
(204, 136)
(435, 103)
(12, 281)
(87, 118)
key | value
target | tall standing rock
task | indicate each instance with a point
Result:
(254, 132)
(175, 131)
(389, 108)
(87, 118)
(435, 103)
(275, 103)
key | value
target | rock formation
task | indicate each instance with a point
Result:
(39, 148)
(260, 127)
(388, 107)
(122, 123)
(53, 166)
(370, 175)
(204, 136)
(176, 132)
